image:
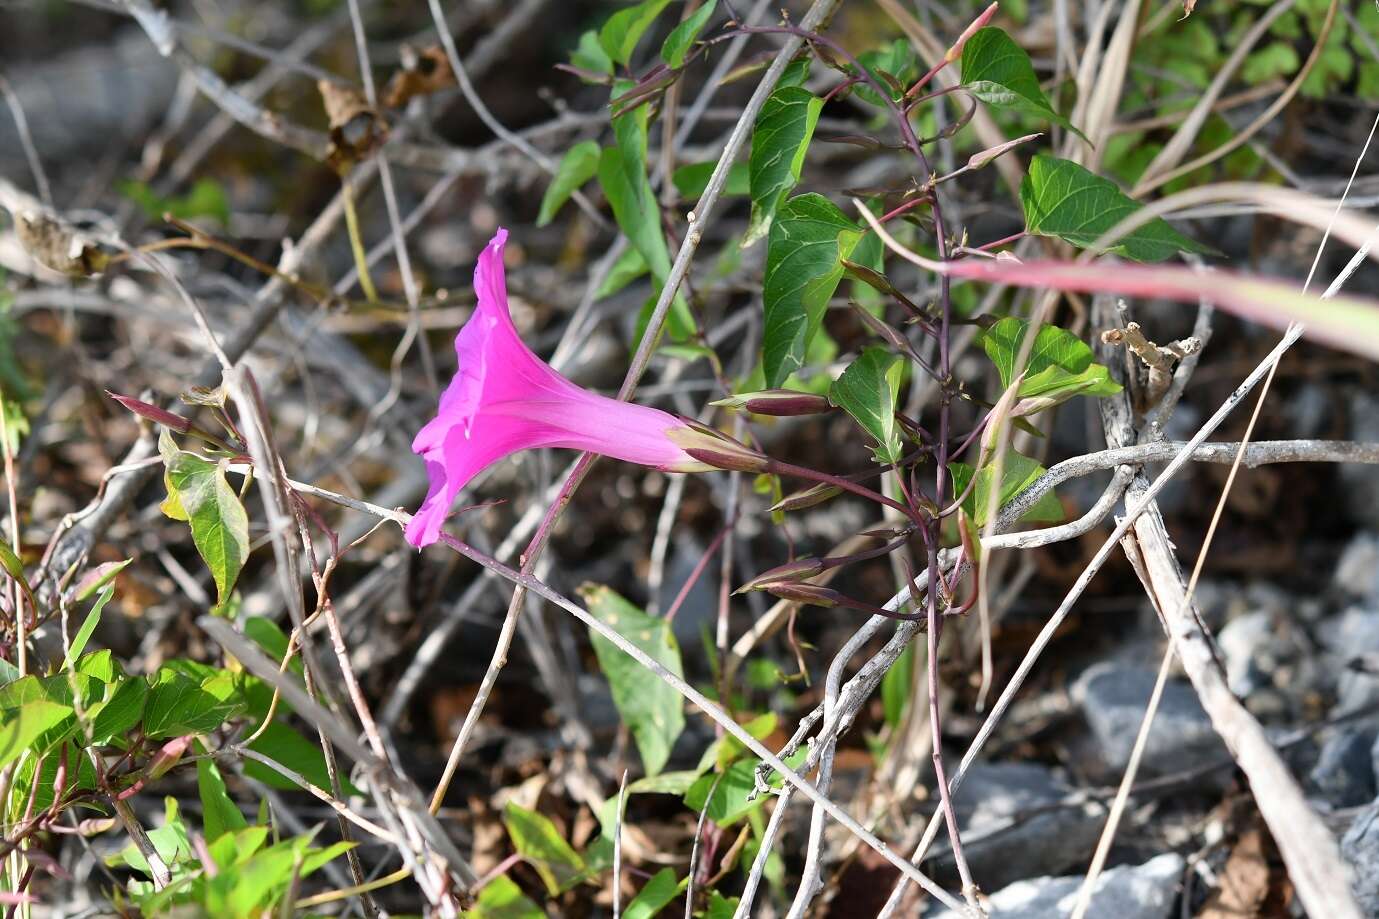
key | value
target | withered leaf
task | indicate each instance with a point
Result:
(1244, 881)
(423, 72)
(356, 128)
(58, 246)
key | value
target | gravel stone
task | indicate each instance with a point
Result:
(1002, 842)
(1113, 699)
(1360, 847)
(1145, 891)
(1344, 773)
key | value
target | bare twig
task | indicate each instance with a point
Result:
(493, 124)
(1143, 501)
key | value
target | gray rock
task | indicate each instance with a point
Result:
(1344, 773)
(1349, 635)
(93, 98)
(1113, 699)
(1271, 660)
(1242, 643)
(1358, 571)
(1013, 827)
(1145, 891)
(1218, 601)
(1360, 847)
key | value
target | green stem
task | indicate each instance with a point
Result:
(361, 261)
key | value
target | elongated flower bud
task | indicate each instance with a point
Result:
(778, 402)
(812, 594)
(809, 497)
(790, 572)
(716, 449)
(167, 419)
(955, 52)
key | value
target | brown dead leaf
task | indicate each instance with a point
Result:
(58, 246)
(356, 129)
(423, 72)
(1188, 7)
(490, 844)
(448, 709)
(1245, 880)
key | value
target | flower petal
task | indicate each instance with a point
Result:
(457, 459)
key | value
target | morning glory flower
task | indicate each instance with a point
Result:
(504, 399)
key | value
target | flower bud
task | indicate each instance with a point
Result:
(167, 419)
(716, 449)
(812, 594)
(798, 501)
(790, 572)
(780, 402)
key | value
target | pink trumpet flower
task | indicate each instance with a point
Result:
(504, 399)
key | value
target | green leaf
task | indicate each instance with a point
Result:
(589, 55)
(1334, 64)
(1064, 200)
(729, 803)
(622, 31)
(664, 783)
(1276, 59)
(1059, 366)
(724, 751)
(253, 885)
(501, 898)
(206, 198)
(317, 858)
(867, 391)
(808, 240)
(11, 563)
(893, 66)
(780, 140)
(32, 688)
(219, 813)
(98, 577)
(997, 71)
(99, 665)
(269, 636)
(629, 267)
(1018, 472)
(577, 166)
(122, 710)
(23, 725)
(682, 37)
(652, 710)
(538, 841)
(16, 423)
(284, 745)
(622, 175)
(730, 799)
(220, 527)
(88, 626)
(68, 690)
(897, 686)
(177, 704)
(44, 784)
(691, 181)
(721, 907)
(654, 896)
(170, 841)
